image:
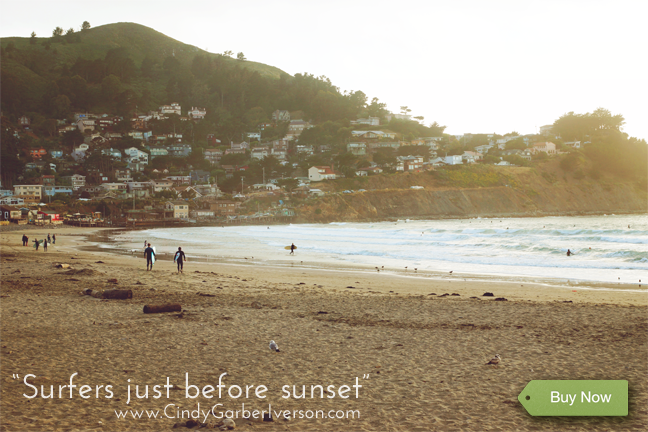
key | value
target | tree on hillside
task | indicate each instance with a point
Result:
(385, 156)
(72, 139)
(228, 53)
(32, 39)
(516, 144)
(240, 56)
(579, 126)
(57, 32)
(405, 110)
(85, 25)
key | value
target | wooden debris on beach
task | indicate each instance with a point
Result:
(110, 294)
(62, 266)
(488, 294)
(118, 294)
(168, 307)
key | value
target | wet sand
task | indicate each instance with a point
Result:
(424, 355)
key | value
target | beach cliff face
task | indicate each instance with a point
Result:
(527, 193)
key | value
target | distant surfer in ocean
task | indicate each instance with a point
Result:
(292, 249)
(569, 253)
(150, 257)
(180, 258)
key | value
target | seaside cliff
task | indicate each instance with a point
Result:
(514, 192)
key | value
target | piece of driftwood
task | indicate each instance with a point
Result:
(118, 294)
(168, 307)
(110, 294)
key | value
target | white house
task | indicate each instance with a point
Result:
(260, 152)
(197, 113)
(318, 173)
(174, 108)
(453, 160)
(136, 155)
(373, 121)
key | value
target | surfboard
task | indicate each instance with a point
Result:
(288, 247)
(40, 242)
(153, 256)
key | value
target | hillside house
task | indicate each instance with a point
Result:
(76, 180)
(179, 150)
(29, 190)
(453, 160)
(197, 113)
(37, 153)
(471, 157)
(546, 147)
(357, 149)
(213, 155)
(260, 152)
(280, 116)
(373, 121)
(158, 151)
(135, 155)
(174, 108)
(319, 173)
(114, 153)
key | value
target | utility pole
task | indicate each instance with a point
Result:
(242, 178)
(264, 175)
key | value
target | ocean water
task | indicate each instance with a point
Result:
(606, 248)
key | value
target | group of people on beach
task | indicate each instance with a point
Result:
(37, 243)
(149, 253)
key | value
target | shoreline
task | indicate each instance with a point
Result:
(409, 283)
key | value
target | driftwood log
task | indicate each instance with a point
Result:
(110, 294)
(169, 307)
(118, 294)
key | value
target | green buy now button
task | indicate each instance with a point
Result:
(575, 398)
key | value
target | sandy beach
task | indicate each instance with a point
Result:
(419, 355)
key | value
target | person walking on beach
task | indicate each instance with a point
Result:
(25, 240)
(150, 253)
(53, 238)
(49, 239)
(292, 249)
(36, 244)
(179, 258)
(44, 245)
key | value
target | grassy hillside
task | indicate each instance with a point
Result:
(477, 190)
(139, 40)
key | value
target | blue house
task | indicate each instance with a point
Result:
(56, 153)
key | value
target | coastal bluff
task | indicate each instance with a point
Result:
(524, 193)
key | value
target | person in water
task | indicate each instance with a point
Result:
(179, 258)
(150, 253)
(569, 253)
(292, 249)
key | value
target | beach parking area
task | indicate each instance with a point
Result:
(420, 358)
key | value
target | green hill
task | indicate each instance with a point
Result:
(139, 40)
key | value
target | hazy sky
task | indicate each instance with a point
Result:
(475, 66)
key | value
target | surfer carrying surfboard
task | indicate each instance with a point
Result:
(179, 258)
(150, 257)
(292, 249)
